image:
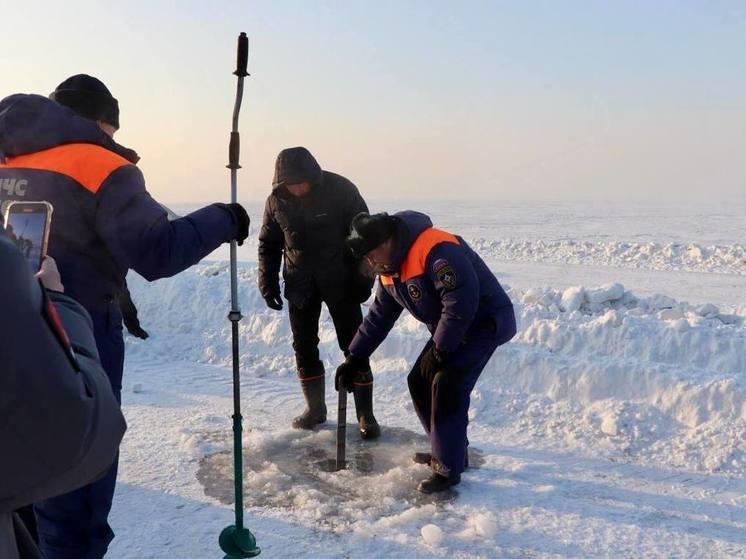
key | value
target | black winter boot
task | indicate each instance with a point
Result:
(363, 392)
(437, 482)
(314, 392)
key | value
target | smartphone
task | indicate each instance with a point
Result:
(27, 225)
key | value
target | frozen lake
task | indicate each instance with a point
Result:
(614, 424)
(572, 243)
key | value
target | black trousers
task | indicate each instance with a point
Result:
(304, 322)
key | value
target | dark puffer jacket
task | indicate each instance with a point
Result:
(310, 232)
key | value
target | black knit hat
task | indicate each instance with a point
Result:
(88, 97)
(368, 231)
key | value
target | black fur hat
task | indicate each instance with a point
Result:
(368, 231)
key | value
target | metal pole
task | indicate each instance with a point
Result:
(341, 428)
(236, 541)
(235, 316)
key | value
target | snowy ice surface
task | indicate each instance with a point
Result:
(613, 425)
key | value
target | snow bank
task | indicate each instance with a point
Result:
(727, 259)
(637, 371)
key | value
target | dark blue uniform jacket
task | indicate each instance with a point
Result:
(104, 221)
(443, 283)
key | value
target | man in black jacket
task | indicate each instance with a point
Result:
(307, 218)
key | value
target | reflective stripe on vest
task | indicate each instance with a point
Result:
(88, 164)
(414, 262)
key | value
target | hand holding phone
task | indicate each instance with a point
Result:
(49, 275)
(27, 224)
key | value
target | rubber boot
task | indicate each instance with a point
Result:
(314, 389)
(363, 392)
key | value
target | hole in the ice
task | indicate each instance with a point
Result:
(298, 470)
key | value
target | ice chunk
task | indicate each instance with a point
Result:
(696, 252)
(538, 296)
(572, 298)
(611, 318)
(658, 301)
(596, 308)
(432, 535)
(484, 526)
(605, 293)
(629, 300)
(610, 424)
(729, 319)
(708, 311)
(671, 314)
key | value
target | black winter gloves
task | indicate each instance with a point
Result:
(134, 328)
(352, 370)
(274, 302)
(242, 219)
(129, 314)
(361, 293)
(431, 363)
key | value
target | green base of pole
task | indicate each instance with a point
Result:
(238, 543)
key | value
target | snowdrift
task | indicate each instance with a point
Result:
(693, 257)
(643, 377)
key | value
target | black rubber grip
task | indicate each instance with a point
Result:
(233, 150)
(243, 56)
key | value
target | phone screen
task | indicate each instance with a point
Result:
(27, 225)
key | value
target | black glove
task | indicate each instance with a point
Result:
(129, 314)
(361, 292)
(242, 219)
(353, 369)
(361, 283)
(274, 301)
(431, 363)
(134, 328)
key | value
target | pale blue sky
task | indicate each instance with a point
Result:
(413, 99)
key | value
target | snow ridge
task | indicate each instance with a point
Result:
(724, 259)
(648, 375)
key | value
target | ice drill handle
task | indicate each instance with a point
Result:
(243, 56)
(234, 150)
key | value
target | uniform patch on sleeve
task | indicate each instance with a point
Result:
(438, 264)
(414, 292)
(447, 276)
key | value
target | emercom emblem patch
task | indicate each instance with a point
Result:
(414, 292)
(445, 273)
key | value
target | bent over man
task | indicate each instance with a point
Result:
(306, 221)
(443, 283)
(104, 223)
